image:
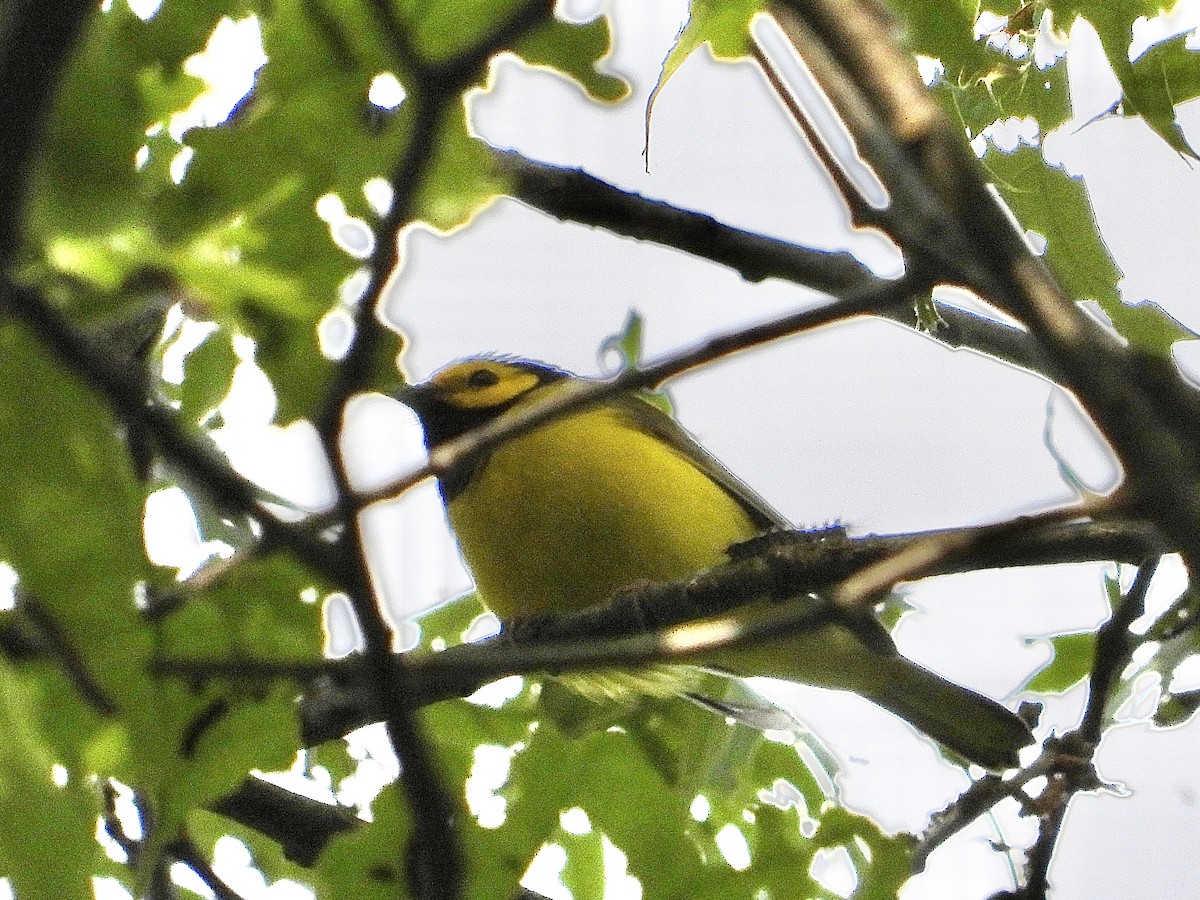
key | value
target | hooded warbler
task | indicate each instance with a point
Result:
(560, 517)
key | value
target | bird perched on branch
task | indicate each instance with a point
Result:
(561, 517)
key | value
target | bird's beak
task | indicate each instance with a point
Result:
(416, 397)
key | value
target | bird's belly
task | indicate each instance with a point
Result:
(560, 518)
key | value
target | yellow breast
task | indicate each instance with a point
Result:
(559, 518)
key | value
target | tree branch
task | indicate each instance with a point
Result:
(301, 825)
(1065, 761)
(947, 222)
(36, 41)
(574, 195)
(781, 568)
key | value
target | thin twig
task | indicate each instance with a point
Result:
(575, 195)
(1066, 761)
(449, 454)
(1115, 644)
(972, 803)
(55, 641)
(862, 213)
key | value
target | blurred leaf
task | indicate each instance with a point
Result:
(449, 623)
(47, 831)
(451, 27)
(583, 875)
(73, 508)
(981, 82)
(574, 51)
(1176, 708)
(258, 608)
(368, 863)
(207, 375)
(461, 178)
(1071, 663)
(73, 532)
(653, 764)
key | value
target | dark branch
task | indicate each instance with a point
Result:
(36, 40)
(53, 640)
(782, 568)
(1114, 648)
(301, 825)
(574, 195)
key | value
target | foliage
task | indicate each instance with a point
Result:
(266, 221)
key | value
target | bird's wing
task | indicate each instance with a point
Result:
(651, 420)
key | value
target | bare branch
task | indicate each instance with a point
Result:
(575, 195)
(449, 454)
(301, 825)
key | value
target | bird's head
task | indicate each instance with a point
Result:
(468, 393)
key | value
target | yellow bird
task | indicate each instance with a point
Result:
(559, 518)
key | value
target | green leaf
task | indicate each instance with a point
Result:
(369, 862)
(661, 763)
(722, 24)
(206, 828)
(207, 375)
(1158, 80)
(983, 83)
(47, 832)
(73, 508)
(1148, 326)
(583, 875)
(449, 28)
(1047, 200)
(574, 51)
(462, 176)
(1176, 708)
(1071, 663)
(265, 607)
(447, 625)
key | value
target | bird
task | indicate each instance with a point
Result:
(559, 518)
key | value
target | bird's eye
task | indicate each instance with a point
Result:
(482, 378)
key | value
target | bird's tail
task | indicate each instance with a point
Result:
(968, 723)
